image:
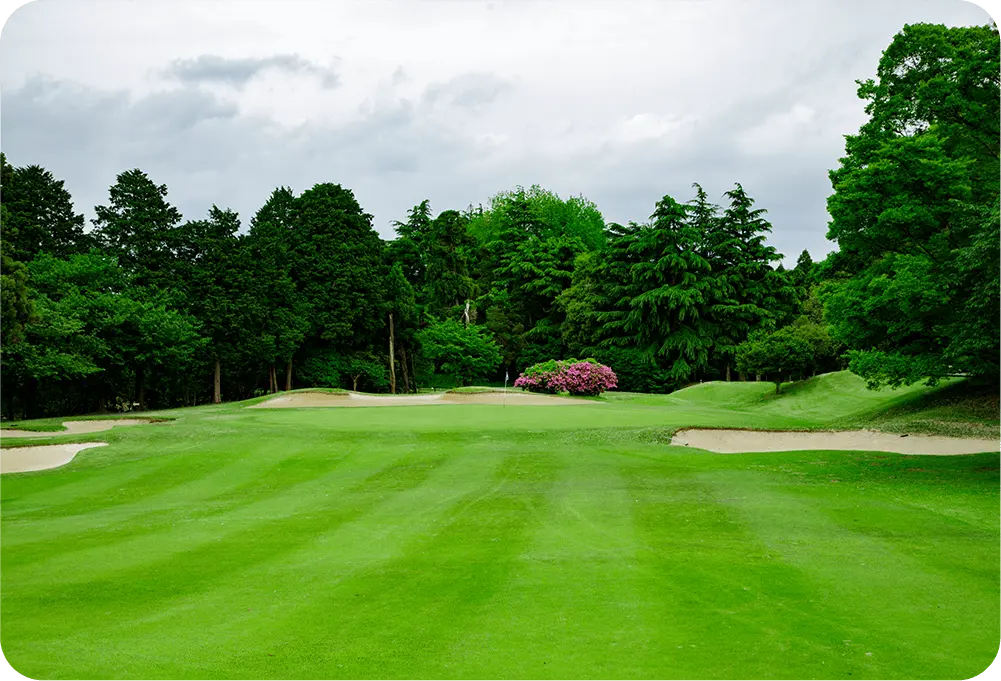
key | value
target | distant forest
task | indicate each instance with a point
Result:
(148, 310)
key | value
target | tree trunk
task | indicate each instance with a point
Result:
(354, 382)
(288, 375)
(392, 359)
(273, 379)
(727, 373)
(403, 366)
(216, 383)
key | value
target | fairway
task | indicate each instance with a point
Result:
(517, 541)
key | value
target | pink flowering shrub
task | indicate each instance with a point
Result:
(576, 377)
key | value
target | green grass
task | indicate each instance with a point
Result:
(450, 541)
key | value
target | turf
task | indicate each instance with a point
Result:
(456, 541)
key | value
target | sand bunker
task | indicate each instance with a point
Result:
(21, 459)
(77, 428)
(359, 400)
(739, 441)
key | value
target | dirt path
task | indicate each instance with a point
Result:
(21, 459)
(746, 441)
(359, 400)
(76, 428)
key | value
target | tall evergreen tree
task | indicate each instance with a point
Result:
(40, 211)
(138, 227)
(338, 269)
(668, 312)
(746, 292)
(281, 322)
(448, 249)
(213, 269)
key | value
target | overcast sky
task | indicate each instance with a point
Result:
(620, 101)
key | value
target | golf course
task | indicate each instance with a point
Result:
(507, 540)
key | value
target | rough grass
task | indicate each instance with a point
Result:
(457, 541)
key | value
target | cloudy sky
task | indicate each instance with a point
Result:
(450, 100)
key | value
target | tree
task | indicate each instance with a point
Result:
(914, 199)
(213, 269)
(337, 265)
(448, 251)
(14, 298)
(39, 213)
(465, 353)
(529, 241)
(401, 303)
(746, 292)
(804, 271)
(668, 313)
(777, 354)
(279, 318)
(138, 228)
(410, 248)
(93, 339)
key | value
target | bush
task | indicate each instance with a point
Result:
(577, 377)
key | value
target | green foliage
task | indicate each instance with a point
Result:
(915, 213)
(279, 318)
(574, 218)
(672, 291)
(636, 371)
(39, 216)
(15, 303)
(449, 250)
(467, 353)
(357, 371)
(138, 228)
(781, 355)
(338, 269)
(91, 323)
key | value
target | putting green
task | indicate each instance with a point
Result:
(519, 541)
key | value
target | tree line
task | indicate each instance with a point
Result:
(148, 310)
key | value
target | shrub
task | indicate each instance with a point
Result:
(465, 353)
(577, 377)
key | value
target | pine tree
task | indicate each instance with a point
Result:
(668, 313)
